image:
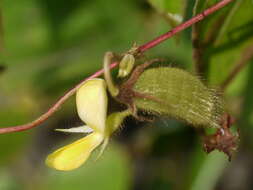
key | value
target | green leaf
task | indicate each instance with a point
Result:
(209, 170)
(232, 41)
(221, 39)
(172, 11)
(1, 30)
(246, 113)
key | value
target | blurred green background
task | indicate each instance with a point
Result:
(48, 46)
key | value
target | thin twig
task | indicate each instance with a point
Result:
(245, 59)
(140, 50)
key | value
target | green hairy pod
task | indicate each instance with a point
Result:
(171, 92)
(180, 95)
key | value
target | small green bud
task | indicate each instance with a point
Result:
(179, 95)
(126, 65)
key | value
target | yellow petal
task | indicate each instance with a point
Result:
(74, 155)
(91, 101)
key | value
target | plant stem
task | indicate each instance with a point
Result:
(183, 26)
(141, 49)
(54, 108)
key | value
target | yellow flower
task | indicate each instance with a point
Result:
(91, 101)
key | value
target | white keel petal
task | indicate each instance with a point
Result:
(81, 129)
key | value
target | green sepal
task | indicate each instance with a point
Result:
(114, 120)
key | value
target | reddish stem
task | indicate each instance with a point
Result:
(141, 49)
(183, 26)
(54, 108)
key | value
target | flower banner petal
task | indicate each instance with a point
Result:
(91, 101)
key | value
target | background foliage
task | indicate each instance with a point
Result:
(49, 46)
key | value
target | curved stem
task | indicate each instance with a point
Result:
(107, 74)
(54, 108)
(140, 49)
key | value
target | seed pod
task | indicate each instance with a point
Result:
(180, 95)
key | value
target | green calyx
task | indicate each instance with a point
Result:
(115, 120)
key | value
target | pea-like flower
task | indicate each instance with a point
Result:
(91, 101)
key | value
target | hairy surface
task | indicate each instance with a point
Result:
(181, 96)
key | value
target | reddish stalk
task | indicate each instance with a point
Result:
(141, 49)
(54, 108)
(183, 26)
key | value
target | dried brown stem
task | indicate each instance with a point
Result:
(140, 50)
